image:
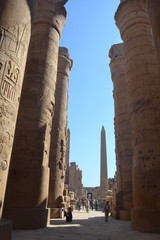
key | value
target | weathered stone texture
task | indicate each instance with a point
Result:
(154, 13)
(103, 173)
(122, 132)
(57, 160)
(29, 175)
(15, 28)
(143, 83)
(75, 180)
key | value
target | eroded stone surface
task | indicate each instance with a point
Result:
(57, 160)
(30, 155)
(143, 83)
(122, 133)
(15, 28)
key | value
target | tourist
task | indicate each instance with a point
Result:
(106, 210)
(96, 204)
(87, 205)
(91, 203)
(68, 215)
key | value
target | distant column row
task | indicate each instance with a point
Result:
(136, 78)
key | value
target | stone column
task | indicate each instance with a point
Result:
(15, 28)
(122, 132)
(103, 174)
(143, 83)
(154, 13)
(29, 174)
(58, 136)
(67, 157)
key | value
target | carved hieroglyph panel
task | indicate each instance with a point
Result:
(12, 49)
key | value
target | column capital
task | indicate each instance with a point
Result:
(130, 13)
(52, 13)
(64, 62)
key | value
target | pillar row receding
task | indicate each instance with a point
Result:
(26, 205)
(57, 160)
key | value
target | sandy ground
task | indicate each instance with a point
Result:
(88, 226)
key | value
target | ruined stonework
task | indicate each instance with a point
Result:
(57, 159)
(15, 27)
(103, 173)
(122, 133)
(75, 180)
(143, 83)
(29, 174)
(67, 157)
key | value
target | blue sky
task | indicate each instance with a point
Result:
(88, 34)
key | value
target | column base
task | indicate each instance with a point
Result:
(144, 220)
(125, 215)
(24, 218)
(5, 229)
(56, 213)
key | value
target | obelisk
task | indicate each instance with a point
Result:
(29, 173)
(67, 157)
(103, 173)
(57, 158)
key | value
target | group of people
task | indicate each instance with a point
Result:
(88, 203)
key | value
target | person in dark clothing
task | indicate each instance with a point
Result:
(106, 210)
(68, 215)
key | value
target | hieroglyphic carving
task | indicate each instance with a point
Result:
(12, 52)
(11, 41)
(9, 81)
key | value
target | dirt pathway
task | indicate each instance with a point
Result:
(87, 226)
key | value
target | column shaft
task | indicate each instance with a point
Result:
(122, 132)
(15, 28)
(143, 83)
(59, 135)
(29, 175)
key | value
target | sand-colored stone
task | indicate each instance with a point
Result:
(143, 83)
(122, 133)
(57, 159)
(29, 175)
(15, 29)
(103, 165)
(75, 180)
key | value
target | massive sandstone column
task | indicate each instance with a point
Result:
(29, 175)
(103, 174)
(57, 157)
(15, 29)
(122, 132)
(143, 83)
(67, 157)
(154, 13)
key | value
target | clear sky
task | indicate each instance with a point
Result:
(88, 34)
